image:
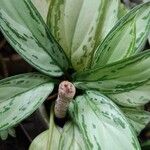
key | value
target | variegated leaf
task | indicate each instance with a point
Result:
(136, 97)
(26, 31)
(138, 118)
(118, 77)
(102, 124)
(15, 85)
(20, 96)
(124, 40)
(42, 6)
(80, 25)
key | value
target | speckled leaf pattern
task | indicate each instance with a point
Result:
(80, 25)
(102, 124)
(124, 39)
(15, 85)
(118, 77)
(20, 96)
(136, 97)
(138, 118)
(26, 31)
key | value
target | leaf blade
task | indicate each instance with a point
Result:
(78, 34)
(138, 118)
(107, 52)
(118, 77)
(20, 103)
(98, 118)
(30, 37)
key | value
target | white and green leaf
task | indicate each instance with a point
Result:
(78, 31)
(16, 85)
(42, 7)
(126, 38)
(134, 98)
(99, 121)
(20, 96)
(26, 31)
(122, 76)
(138, 118)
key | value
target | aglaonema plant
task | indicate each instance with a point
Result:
(107, 64)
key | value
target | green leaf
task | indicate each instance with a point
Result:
(78, 31)
(102, 124)
(42, 7)
(126, 38)
(118, 77)
(20, 96)
(26, 31)
(138, 118)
